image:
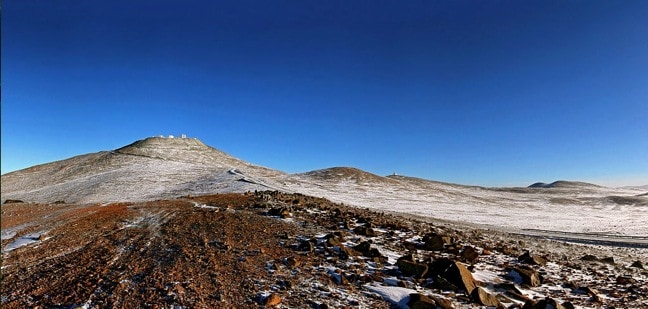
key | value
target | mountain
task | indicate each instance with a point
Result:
(166, 168)
(152, 168)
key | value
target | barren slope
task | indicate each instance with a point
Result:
(148, 169)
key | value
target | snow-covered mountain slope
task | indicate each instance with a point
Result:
(159, 168)
(152, 168)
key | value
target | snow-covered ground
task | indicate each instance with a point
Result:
(579, 210)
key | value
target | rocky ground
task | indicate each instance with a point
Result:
(276, 250)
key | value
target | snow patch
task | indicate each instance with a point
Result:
(396, 295)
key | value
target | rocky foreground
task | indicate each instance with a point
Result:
(276, 250)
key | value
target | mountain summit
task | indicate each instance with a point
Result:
(179, 149)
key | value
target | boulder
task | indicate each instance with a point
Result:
(528, 275)
(592, 292)
(625, 280)
(333, 240)
(532, 259)
(454, 272)
(365, 249)
(365, 231)
(346, 252)
(607, 260)
(589, 258)
(419, 301)
(435, 242)
(442, 303)
(482, 297)
(637, 264)
(411, 268)
(545, 303)
(282, 212)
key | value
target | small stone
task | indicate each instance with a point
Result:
(469, 254)
(273, 300)
(637, 264)
(305, 246)
(292, 262)
(625, 280)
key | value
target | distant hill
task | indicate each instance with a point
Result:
(346, 173)
(564, 184)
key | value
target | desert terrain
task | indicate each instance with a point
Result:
(174, 223)
(277, 250)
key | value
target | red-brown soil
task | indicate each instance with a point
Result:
(263, 250)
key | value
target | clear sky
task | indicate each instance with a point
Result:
(492, 93)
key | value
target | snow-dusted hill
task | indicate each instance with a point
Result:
(574, 209)
(156, 168)
(152, 168)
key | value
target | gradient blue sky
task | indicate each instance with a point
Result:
(492, 93)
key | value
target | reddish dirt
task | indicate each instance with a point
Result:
(148, 255)
(270, 249)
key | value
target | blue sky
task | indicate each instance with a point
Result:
(492, 93)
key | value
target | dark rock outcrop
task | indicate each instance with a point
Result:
(484, 298)
(455, 273)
